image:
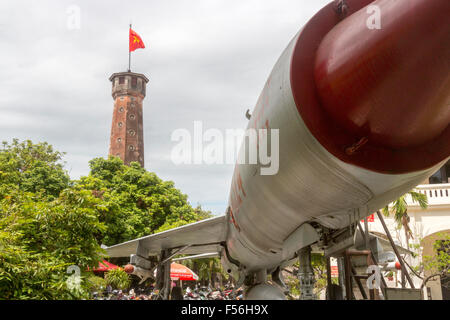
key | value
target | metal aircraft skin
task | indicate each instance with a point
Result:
(361, 122)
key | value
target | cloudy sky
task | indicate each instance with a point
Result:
(207, 60)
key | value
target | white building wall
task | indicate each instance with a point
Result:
(423, 223)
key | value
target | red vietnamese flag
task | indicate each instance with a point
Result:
(135, 41)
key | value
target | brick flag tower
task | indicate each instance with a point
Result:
(127, 134)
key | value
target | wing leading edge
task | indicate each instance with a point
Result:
(201, 237)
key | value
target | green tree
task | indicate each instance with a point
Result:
(439, 264)
(40, 239)
(208, 270)
(399, 209)
(118, 279)
(46, 226)
(35, 168)
(49, 223)
(136, 202)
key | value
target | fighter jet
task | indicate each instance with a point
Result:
(361, 99)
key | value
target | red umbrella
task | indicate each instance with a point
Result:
(180, 272)
(105, 266)
(177, 272)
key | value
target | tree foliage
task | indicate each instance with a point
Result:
(209, 270)
(399, 209)
(49, 223)
(35, 168)
(135, 202)
(439, 264)
(118, 279)
(40, 239)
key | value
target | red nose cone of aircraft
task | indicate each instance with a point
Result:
(383, 73)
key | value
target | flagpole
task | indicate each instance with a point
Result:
(129, 53)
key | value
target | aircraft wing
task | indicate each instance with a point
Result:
(201, 237)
